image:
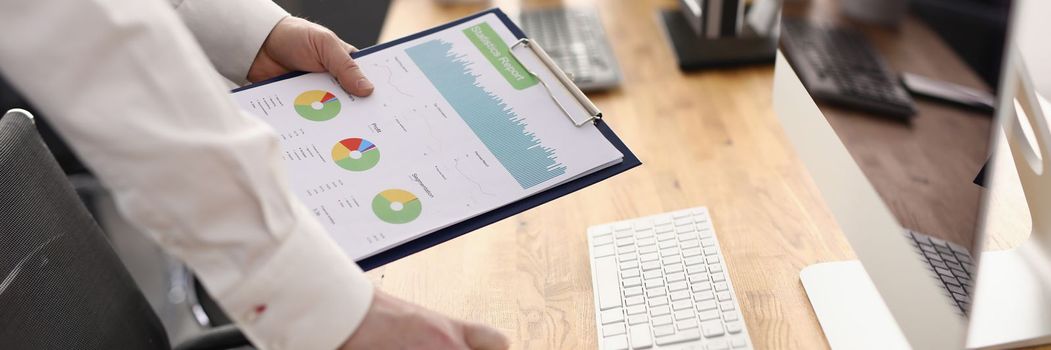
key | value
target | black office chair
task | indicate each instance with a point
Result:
(61, 284)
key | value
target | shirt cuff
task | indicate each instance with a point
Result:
(310, 295)
(231, 31)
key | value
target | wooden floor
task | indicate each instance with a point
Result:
(706, 139)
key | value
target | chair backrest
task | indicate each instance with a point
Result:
(61, 284)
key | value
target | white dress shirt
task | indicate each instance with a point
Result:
(128, 86)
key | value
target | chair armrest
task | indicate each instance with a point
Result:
(222, 337)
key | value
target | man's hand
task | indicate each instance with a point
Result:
(298, 44)
(394, 324)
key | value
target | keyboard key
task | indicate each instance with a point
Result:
(658, 301)
(650, 265)
(632, 291)
(683, 222)
(680, 215)
(619, 342)
(709, 251)
(607, 283)
(680, 295)
(698, 277)
(664, 330)
(661, 320)
(669, 252)
(696, 269)
(686, 324)
(712, 328)
(627, 257)
(733, 327)
(653, 292)
(629, 265)
(730, 316)
(637, 319)
(641, 242)
(651, 249)
(640, 337)
(654, 282)
(719, 277)
(708, 315)
(707, 305)
(652, 274)
(603, 251)
(626, 241)
(612, 329)
(601, 241)
(685, 229)
(701, 286)
(644, 258)
(726, 306)
(681, 305)
(707, 242)
(636, 309)
(677, 286)
(692, 252)
(672, 260)
(715, 268)
(632, 282)
(667, 244)
(690, 261)
(636, 300)
(674, 272)
(711, 260)
(693, 243)
(684, 336)
(739, 343)
(722, 296)
(621, 226)
(705, 295)
(720, 286)
(684, 315)
(666, 236)
(660, 310)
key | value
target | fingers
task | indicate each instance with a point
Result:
(335, 56)
(482, 337)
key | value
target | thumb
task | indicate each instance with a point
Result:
(482, 337)
(335, 56)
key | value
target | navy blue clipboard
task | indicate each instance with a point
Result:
(456, 230)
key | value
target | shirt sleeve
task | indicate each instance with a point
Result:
(126, 85)
(230, 31)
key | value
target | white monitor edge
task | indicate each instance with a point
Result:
(923, 314)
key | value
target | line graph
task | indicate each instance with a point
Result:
(497, 125)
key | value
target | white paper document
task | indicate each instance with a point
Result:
(455, 128)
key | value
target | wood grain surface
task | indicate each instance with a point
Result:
(706, 139)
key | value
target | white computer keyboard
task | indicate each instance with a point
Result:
(661, 282)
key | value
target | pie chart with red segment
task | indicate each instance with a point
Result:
(355, 154)
(317, 105)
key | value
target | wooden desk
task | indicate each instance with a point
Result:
(706, 139)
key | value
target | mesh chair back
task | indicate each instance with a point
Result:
(61, 284)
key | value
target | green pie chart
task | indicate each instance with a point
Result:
(397, 206)
(317, 105)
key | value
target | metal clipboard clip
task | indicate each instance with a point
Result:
(594, 114)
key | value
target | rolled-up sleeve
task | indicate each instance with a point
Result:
(127, 86)
(230, 31)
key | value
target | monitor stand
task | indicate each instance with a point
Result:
(1010, 303)
(693, 52)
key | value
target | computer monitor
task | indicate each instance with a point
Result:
(907, 197)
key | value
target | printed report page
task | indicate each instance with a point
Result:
(456, 127)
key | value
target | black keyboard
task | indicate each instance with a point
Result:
(839, 66)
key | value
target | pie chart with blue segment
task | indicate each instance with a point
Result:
(317, 105)
(355, 154)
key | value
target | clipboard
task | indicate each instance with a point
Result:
(523, 46)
